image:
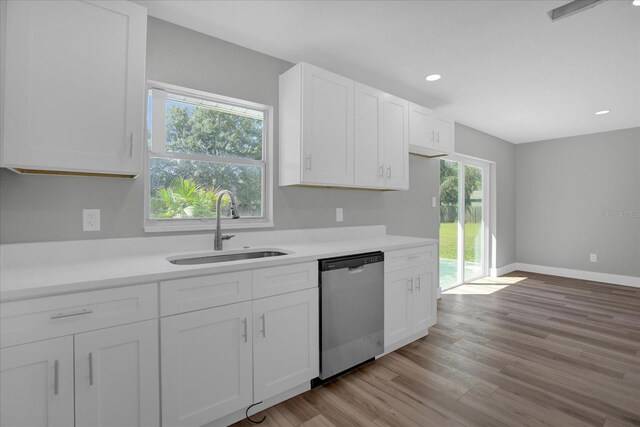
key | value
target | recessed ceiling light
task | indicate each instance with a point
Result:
(599, 113)
(433, 77)
(636, 2)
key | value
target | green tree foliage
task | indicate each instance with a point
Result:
(449, 183)
(210, 132)
(184, 199)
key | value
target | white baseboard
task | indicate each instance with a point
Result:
(495, 272)
(616, 279)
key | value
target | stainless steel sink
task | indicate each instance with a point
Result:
(225, 257)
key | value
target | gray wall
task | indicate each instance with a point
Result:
(42, 208)
(572, 195)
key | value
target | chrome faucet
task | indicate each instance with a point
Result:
(217, 245)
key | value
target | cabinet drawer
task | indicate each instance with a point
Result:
(36, 319)
(409, 258)
(285, 278)
(195, 293)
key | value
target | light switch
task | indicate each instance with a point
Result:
(339, 217)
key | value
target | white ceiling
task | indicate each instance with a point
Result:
(507, 69)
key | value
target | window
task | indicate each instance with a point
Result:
(198, 144)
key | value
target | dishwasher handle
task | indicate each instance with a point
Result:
(354, 270)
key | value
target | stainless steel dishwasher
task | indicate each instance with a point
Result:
(351, 311)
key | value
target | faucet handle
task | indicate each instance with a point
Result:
(227, 236)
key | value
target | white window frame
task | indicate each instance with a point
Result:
(488, 214)
(158, 133)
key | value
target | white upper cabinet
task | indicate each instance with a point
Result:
(316, 127)
(429, 133)
(381, 139)
(396, 143)
(340, 133)
(369, 138)
(74, 87)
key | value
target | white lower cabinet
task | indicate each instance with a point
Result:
(410, 303)
(206, 364)
(116, 379)
(286, 342)
(36, 384)
(221, 360)
(116, 376)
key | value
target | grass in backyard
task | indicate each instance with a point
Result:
(449, 240)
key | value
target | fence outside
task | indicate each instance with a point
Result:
(450, 214)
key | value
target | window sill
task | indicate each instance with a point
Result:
(209, 225)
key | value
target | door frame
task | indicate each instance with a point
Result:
(488, 213)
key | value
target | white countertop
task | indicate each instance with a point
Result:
(63, 267)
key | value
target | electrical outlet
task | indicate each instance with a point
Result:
(90, 219)
(339, 215)
(434, 202)
(593, 257)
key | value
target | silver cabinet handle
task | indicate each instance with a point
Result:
(91, 368)
(413, 257)
(264, 325)
(56, 377)
(389, 172)
(131, 145)
(411, 285)
(437, 136)
(418, 287)
(433, 135)
(308, 162)
(381, 171)
(245, 330)
(73, 313)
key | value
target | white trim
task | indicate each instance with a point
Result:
(158, 150)
(150, 227)
(500, 271)
(396, 345)
(616, 279)
(489, 208)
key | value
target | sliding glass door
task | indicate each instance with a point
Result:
(463, 213)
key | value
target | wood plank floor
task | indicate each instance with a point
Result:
(524, 349)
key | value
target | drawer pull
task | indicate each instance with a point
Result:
(91, 368)
(264, 325)
(410, 284)
(413, 257)
(56, 377)
(73, 313)
(245, 336)
(418, 287)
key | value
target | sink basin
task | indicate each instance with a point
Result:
(239, 256)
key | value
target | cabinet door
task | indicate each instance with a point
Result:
(398, 306)
(36, 384)
(424, 297)
(206, 364)
(286, 342)
(74, 97)
(327, 135)
(369, 148)
(116, 376)
(421, 126)
(396, 142)
(443, 135)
